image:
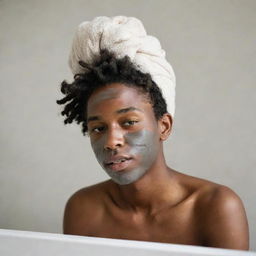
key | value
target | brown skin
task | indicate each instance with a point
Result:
(163, 205)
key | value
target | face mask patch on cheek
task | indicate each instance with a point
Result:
(140, 145)
(98, 149)
(143, 144)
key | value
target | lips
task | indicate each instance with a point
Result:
(116, 160)
(117, 163)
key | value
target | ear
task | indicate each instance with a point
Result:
(165, 126)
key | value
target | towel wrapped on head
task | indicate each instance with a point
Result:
(124, 36)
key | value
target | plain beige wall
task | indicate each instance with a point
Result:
(211, 45)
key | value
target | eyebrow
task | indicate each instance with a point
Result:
(119, 111)
(125, 110)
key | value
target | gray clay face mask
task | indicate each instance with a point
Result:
(109, 93)
(140, 145)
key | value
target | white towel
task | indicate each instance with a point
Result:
(124, 36)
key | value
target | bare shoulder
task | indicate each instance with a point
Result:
(219, 212)
(216, 195)
(84, 209)
(222, 217)
(210, 193)
(218, 199)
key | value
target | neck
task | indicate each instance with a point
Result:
(155, 190)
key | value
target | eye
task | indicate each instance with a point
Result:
(97, 129)
(130, 122)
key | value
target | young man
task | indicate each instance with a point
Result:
(127, 112)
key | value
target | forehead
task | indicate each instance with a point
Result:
(116, 96)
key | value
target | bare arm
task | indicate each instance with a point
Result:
(81, 213)
(71, 217)
(224, 221)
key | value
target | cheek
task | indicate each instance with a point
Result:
(143, 143)
(98, 147)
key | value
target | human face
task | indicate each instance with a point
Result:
(123, 132)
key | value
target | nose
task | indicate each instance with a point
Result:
(114, 139)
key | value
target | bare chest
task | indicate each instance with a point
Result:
(172, 226)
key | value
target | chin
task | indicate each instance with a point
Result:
(126, 178)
